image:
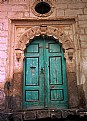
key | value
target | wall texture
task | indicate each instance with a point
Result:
(21, 11)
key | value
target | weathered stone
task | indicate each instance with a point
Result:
(81, 96)
(72, 90)
(3, 40)
(60, 12)
(29, 115)
(3, 33)
(84, 45)
(2, 99)
(15, 14)
(84, 52)
(82, 17)
(3, 14)
(61, 6)
(82, 31)
(73, 12)
(83, 23)
(43, 114)
(3, 47)
(76, 6)
(85, 11)
(3, 54)
(17, 117)
(56, 114)
(83, 37)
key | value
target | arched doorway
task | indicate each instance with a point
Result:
(45, 83)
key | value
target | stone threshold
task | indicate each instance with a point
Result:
(42, 113)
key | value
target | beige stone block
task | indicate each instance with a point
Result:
(85, 11)
(64, 1)
(5, 7)
(15, 14)
(4, 21)
(82, 17)
(84, 52)
(3, 15)
(86, 30)
(2, 77)
(20, 8)
(1, 26)
(73, 12)
(60, 12)
(2, 62)
(5, 26)
(83, 38)
(84, 45)
(3, 40)
(2, 70)
(3, 46)
(0, 1)
(82, 30)
(26, 14)
(18, 1)
(3, 33)
(61, 6)
(76, 5)
(3, 54)
(83, 23)
(84, 0)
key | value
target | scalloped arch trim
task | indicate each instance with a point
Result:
(29, 34)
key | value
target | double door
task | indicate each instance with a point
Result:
(45, 84)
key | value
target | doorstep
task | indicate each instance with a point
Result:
(44, 113)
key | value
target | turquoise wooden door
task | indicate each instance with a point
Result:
(45, 84)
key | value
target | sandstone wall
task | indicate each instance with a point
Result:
(62, 9)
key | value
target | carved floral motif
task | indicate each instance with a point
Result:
(60, 36)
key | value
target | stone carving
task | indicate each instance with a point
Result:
(70, 55)
(59, 35)
(42, 15)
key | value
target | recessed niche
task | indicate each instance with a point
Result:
(42, 8)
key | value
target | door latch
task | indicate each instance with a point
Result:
(42, 70)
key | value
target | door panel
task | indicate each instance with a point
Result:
(56, 95)
(45, 84)
(33, 89)
(55, 70)
(32, 68)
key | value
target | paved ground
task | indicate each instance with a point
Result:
(69, 118)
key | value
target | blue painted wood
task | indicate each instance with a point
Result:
(45, 84)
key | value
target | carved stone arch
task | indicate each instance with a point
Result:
(58, 34)
(47, 30)
(67, 44)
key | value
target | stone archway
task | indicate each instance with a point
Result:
(68, 46)
(66, 41)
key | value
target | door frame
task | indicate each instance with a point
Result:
(16, 53)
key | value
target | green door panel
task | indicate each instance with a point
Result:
(45, 84)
